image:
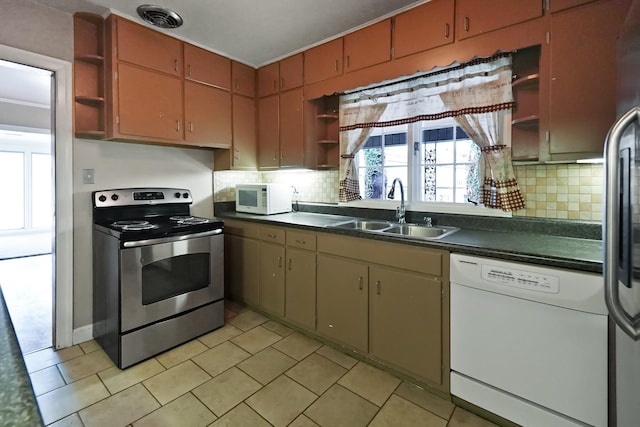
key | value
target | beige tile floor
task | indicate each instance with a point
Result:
(252, 372)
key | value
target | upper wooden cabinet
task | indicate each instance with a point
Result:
(291, 72)
(243, 79)
(280, 76)
(268, 79)
(207, 115)
(245, 144)
(268, 132)
(474, 17)
(369, 46)
(291, 129)
(582, 104)
(143, 111)
(143, 46)
(323, 62)
(558, 5)
(424, 27)
(206, 67)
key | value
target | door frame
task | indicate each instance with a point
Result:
(63, 178)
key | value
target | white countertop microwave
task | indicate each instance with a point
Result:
(263, 199)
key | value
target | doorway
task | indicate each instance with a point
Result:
(34, 211)
(26, 220)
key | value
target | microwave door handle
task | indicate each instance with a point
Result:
(624, 219)
(611, 230)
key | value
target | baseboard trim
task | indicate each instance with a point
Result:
(82, 334)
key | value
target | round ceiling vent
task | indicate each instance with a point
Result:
(159, 16)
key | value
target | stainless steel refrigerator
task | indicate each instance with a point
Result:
(621, 229)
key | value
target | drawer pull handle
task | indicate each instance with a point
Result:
(446, 31)
(282, 83)
(273, 236)
(177, 125)
(189, 70)
(301, 242)
(191, 127)
(360, 284)
(336, 65)
(279, 262)
(466, 24)
(348, 62)
(289, 264)
(175, 64)
(378, 287)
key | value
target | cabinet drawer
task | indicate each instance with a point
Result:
(272, 234)
(406, 257)
(241, 228)
(302, 240)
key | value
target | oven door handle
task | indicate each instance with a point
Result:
(147, 242)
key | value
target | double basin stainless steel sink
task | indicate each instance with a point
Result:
(411, 231)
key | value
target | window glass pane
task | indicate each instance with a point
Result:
(371, 182)
(12, 185)
(41, 184)
(395, 155)
(466, 151)
(444, 152)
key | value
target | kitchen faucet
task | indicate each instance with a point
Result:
(400, 209)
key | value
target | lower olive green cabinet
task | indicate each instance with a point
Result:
(343, 301)
(387, 301)
(300, 279)
(272, 269)
(405, 321)
(242, 252)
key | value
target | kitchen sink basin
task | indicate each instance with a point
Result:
(420, 231)
(363, 225)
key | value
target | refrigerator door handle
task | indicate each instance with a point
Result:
(610, 225)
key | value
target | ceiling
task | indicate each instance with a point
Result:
(256, 32)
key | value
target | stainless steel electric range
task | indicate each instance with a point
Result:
(158, 272)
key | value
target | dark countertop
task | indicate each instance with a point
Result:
(18, 405)
(560, 251)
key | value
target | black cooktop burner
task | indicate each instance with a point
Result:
(189, 220)
(134, 225)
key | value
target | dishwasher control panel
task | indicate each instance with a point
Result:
(521, 279)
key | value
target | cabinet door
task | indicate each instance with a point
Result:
(268, 132)
(475, 17)
(242, 280)
(207, 112)
(369, 46)
(145, 111)
(272, 278)
(244, 132)
(342, 304)
(424, 27)
(244, 79)
(300, 294)
(291, 72)
(291, 130)
(323, 62)
(558, 5)
(149, 48)
(268, 79)
(206, 67)
(410, 303)
(582, 102)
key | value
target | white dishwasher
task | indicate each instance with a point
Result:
(529, 343)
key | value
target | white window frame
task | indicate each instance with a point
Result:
(412, 202)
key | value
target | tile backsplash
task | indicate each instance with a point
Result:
(559, 191)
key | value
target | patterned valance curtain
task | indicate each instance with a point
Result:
(475, 93)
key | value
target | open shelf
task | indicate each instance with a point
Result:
(90, 100)
(89, 75)
(526, 122)
(528, 81)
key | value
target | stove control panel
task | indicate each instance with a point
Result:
(140, 196)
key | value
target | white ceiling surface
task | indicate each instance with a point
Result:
(258, 32)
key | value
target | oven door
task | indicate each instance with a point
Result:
(162, 278)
